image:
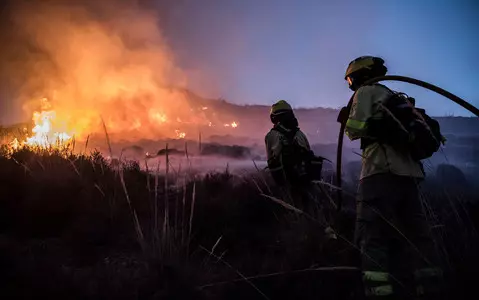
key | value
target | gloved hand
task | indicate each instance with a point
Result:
(343, 115)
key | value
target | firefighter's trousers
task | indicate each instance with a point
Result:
(398, 256)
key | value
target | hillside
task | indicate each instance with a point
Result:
(252, 123)
(318, 123)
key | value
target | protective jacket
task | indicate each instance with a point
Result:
(282, 155)
(377, 157)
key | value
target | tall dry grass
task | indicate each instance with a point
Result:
(206, 235)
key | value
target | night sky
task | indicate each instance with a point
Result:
(258, 51)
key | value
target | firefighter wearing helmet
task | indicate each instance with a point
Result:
(292, 163)
(285, 144)
(390, 218)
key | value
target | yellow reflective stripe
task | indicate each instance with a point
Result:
(383, 290)
(375, 276)
(427, 272)
(355, 124)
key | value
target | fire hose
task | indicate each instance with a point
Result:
(417, 82)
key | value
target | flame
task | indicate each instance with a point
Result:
(233, 125)
(136, 124)
(52, 130)
(179, 134)
(117, 68)
(157, 116)
(15, 144)
(47, 132)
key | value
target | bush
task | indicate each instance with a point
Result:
(77, 227)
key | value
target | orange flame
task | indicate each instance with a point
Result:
(117, 68)
(44, 133)
(47, 131)
(233, 125)
(180, 135)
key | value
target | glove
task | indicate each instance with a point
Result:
(343, 115)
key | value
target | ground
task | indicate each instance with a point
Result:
(72, 227)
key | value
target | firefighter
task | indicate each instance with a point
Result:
(291, 161)
(397, 252)
(285, 146)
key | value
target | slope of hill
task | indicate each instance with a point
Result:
(253, 123)
(318, 123)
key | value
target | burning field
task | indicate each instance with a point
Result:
(82, 69)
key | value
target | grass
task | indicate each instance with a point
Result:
(73, 226)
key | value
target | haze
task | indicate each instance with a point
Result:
(261, 51)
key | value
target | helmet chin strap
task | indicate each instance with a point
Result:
(417, 82)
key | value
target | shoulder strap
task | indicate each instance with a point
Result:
(382, 85)
(394, 93)
(288, 134)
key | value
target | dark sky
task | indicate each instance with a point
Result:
(258, 51)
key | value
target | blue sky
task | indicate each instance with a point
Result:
(258, 51)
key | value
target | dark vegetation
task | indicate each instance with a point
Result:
(234, 151)
(72, 227)
(165, 151)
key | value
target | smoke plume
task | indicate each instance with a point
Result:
(91, 60)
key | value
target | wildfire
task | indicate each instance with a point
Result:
(44, 133)
(110, 68)
(52, 129)
(158, 117)
(234, 124)
(15, 144)
(47, 131)
(179, 134)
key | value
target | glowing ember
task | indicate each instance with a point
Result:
(234, 125)
(15, 144)
(180, 135)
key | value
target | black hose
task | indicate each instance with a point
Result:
(417, 82)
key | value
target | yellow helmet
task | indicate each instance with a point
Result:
(363, 63)
(280, 106)
(363, 68)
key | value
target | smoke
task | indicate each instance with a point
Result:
(93, 59)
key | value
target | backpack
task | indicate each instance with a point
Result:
(408, 128)
(298, 165)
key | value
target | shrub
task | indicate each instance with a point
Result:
(76, 227)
